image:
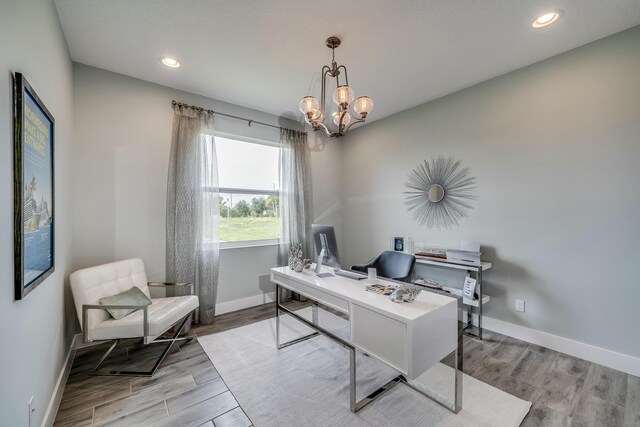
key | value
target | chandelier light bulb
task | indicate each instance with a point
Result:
(363, 106)
(343, 95)
(314, 117)
(345, 121)
(308, 104)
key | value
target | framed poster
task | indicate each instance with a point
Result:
(33, 189)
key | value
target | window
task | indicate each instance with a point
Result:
(249, 203)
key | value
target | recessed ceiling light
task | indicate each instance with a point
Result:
(547, 18)
(170, 62)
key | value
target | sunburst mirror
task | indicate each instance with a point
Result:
(441, 191)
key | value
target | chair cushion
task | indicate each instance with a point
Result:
(133, 296)
(163, 313)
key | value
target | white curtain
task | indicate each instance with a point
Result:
(295, 194)
(193, 208)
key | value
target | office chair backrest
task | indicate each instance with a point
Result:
(395, 265)
(390, 264)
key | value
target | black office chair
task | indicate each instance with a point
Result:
(390, 264)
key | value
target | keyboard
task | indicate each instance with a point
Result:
(349, 274)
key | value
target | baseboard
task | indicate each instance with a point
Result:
(602, 356)
(239, 304)
(58, 391)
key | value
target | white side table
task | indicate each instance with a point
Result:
(471, 269)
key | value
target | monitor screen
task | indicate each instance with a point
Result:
(324, 237)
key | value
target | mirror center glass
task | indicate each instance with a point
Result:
(435, 193)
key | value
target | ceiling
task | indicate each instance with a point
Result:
(268, 54)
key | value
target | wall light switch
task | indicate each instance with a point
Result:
(520, 305)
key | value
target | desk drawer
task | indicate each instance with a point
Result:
(313, 293)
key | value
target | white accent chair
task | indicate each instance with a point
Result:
(148, 322)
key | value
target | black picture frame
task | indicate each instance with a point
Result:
(398, 244)
(34, 196)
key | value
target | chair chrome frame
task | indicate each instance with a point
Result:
(356, 405)
(145, 339)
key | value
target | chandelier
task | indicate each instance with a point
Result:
(348, 112)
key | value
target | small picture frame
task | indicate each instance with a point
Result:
(398, 244)
(402, 244)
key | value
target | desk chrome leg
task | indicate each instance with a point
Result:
(314, 312)
(480, 303)
(277, 315)
(352, 379)
(457, 405)
(286, 310)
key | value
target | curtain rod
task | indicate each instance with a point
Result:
(249, 121)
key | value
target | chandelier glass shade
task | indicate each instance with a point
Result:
(349, 110)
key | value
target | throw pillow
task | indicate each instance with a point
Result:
(133, 296)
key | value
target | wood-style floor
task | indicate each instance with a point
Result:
(188, 391)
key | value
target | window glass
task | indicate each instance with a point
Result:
(246, 164)
(248, 182)
(249, 217)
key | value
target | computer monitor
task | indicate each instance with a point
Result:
(324, 237)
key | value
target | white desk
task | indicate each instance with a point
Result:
(410, 337)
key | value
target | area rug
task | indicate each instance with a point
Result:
(307, 384)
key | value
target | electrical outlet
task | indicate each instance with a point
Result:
(520, 305)
(32, 409)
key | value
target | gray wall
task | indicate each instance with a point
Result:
(555, 149)
(36, 333)
(123, 136)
